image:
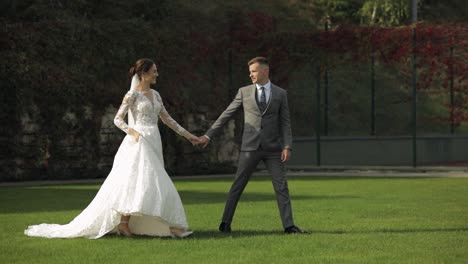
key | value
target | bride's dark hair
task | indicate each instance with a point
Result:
(141, 65)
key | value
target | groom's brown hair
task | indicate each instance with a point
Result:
(260, 60)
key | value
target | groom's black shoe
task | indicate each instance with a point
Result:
(225, 227)
(294, 230)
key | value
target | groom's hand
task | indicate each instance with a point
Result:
(204, 141)
(285, 155)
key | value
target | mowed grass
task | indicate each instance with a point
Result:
(352, 220)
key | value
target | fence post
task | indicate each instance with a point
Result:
(452, 96)
(372, 84)
(414, 97)
(317, 118)
(325, 114)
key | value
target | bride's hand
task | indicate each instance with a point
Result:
(132, 132)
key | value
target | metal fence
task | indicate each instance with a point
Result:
(370, 100)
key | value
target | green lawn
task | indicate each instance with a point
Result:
(353, 220)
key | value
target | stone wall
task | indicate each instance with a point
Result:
(27, 151)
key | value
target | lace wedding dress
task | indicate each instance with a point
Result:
(137, 185)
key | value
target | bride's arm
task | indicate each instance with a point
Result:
(167, 119)
(119, 121)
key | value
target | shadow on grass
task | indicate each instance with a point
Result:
(266, 177)
(216, 235)
(44, 199)
(211, 234)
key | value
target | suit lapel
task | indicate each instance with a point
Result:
(272, 94)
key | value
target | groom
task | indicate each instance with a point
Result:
(267, 137)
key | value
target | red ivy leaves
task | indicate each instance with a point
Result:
(257, 33)
(441, 54)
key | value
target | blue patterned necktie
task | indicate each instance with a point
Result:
(262, 99)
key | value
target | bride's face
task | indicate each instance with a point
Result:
(151, 75)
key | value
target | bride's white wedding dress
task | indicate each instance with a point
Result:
(137, 185)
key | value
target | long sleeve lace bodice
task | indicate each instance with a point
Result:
(129, 99)
(146, 112)
(168, 120)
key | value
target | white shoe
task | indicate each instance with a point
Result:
(183, 235)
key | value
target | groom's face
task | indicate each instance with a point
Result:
(258, 73)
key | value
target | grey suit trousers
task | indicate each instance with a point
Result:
(248, 161)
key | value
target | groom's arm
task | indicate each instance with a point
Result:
(285, 123)
(225, 116)
(285, 128)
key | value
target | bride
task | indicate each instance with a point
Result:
(137, 197)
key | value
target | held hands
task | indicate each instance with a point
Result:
(203, 140)
(193, 139)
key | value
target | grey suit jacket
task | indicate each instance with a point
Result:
(271, 129)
